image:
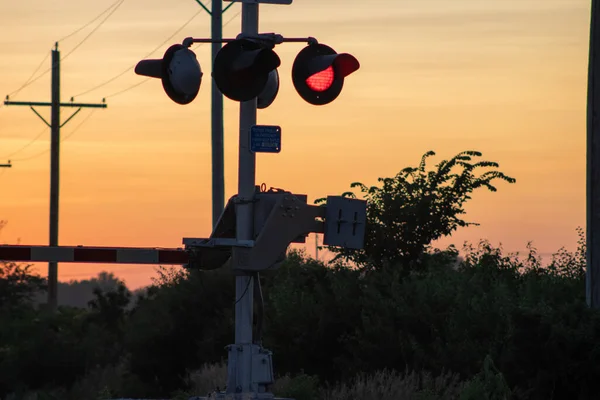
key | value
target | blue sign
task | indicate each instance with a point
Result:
(265, 139)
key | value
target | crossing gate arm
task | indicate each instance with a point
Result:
(93, 255)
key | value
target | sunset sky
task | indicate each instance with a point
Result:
(505, 77)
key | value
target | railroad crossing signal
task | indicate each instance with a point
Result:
(246, 68)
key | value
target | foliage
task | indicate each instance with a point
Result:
(330, 322)
(78, 293)
(186, 319)
(18, 286)
(392, 385)
(484, 325)
(416, 207)
(299, 387)
(489, 384)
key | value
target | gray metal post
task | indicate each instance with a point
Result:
(240, 379)
(54, 175)
(218, 162)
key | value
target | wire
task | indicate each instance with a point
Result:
(39, 135)
(149, 78)
(83, 121)
(245, 290)
(29, 81)
(128, 89)
(94, 30)
(61, 140)
(89, 23)
(33, 81)
(128, 69)
(260, 310)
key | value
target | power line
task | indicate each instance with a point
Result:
(149, 78)
(30, 81)
(128, 69)
(89, 23)
(129, 88)
(61, 140)
(39, 135)
(94, 30)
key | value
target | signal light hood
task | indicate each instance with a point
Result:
(179, 72)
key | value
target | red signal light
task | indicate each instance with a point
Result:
(318, 73)
(321, 81)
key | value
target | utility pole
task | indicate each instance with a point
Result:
(54, 126)
(593, 164)
(217, 129)
(7, 165)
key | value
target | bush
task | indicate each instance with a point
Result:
(416, 207)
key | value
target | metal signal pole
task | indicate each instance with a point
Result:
(54, 126)
(241, 379)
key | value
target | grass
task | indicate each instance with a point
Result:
(106, 383)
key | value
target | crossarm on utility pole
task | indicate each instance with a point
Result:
(46, 104)
(40, 116)
(70, 117)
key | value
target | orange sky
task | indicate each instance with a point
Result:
(505, 77)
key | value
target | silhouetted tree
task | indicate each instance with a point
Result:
(18, 285)
(416, 207)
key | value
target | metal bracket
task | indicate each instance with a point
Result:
(217, 242)
(268, 39)
(280, 218)
(289, 218)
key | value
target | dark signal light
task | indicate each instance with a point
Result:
(243, 69)
(318, 73)
(179, 72)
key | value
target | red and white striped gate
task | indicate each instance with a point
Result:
(87, 254)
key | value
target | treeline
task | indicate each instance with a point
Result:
(397, 320)
(78, 293)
